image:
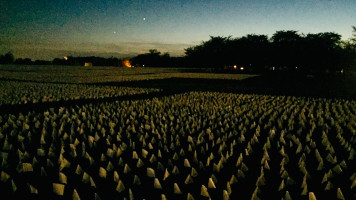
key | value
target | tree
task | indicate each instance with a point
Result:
(322, 52)
(8, 58)
(286, 46)
(154, 52)
(212, 53)
(353, 39)
(250, 51)
(23, 61)
(153, 58)
(193, 56)
(349, 51)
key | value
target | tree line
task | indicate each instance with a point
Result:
(285, 50)
(8, 58)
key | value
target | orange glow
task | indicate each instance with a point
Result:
(242, 68)
(88, 64)
(126, 63)
(65, 58)
(235, 66)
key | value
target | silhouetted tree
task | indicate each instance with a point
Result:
(42, 62)
(286, 50)
(59, 61)
(23, 61)
(349, 52)
(192, 55)
(8, 58)
(149, 59)
(251, 51)
(322, 52)
(153, 58)
(212, 53)
(348, 56)
(353, 38)
(286, 47)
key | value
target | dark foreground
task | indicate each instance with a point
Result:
(266, 137)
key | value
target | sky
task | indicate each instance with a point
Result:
(44, 29)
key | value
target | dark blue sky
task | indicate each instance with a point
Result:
(43, 29)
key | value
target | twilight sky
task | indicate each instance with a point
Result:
(45, 29)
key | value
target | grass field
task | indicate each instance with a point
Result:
(115, 133)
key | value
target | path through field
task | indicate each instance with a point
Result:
(114, 133)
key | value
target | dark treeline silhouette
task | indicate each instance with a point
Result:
(8, 58)
(154, 58)
(284, 51)
(96, 61)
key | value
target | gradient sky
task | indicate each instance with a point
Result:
(45, 29)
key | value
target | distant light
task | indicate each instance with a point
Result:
(342, 71)
(235, 66)
(114, 32)
(127, 63)
(242, 68)
(144, 18)
(65, 58)
(296, 67)
(273, 68)
(88, 64)
(143, 65)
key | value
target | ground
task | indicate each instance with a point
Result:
(114, 133)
